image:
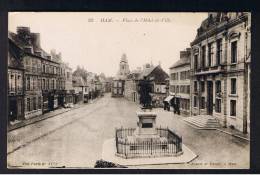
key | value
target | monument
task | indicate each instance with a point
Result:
(147, 140)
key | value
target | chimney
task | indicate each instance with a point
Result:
(24, 34)
(36, 42)
(23, 30)
(185, 54)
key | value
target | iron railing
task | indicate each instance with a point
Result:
(169, 144)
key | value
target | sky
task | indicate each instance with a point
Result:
(97, 40)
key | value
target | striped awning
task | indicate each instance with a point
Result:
(169, 98)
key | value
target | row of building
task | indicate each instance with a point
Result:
(126, 82)
(39, 82)
(213, 76)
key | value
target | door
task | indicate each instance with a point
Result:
(19, 108)
(210, 98)
(12, 109)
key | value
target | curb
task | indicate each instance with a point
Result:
(44, 118)
(235, 135)
(38, 120)
(220, 130)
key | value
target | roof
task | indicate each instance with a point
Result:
(23, 42)
(146, 72)
(181, 62)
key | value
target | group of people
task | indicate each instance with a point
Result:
(174, 104)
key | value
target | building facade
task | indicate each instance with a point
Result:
(220, 69)
(180, 82)
(79, 88)
(69, 94)
(119, 81)
(131, 86)
(15, 83)
(43, 78)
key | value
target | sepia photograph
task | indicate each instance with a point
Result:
(137, 90)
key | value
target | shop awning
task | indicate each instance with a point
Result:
(168, 99)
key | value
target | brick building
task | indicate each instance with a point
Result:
(43, 75)
(32, 62)
(180, 82)
(15, 83)
(220, 69)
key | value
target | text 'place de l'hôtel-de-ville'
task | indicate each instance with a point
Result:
(211, 77)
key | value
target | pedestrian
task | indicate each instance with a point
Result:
(173, 105)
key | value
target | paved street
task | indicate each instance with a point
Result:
(74, 139)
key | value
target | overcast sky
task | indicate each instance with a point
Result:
(98, 45)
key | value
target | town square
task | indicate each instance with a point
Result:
(129, 91)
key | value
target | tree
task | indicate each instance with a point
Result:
(81, 71)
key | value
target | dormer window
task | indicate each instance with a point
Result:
(38, 53)
(28, 49)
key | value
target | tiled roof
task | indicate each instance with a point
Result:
(23, 42)
(181, 62)
(146, 72)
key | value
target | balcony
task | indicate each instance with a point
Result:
(209, 70)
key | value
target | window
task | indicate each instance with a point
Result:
(43, 84)
(47, 84)
(202, 102)
(43, 68)
(219, 51)
(188, 89)
(39, 103)
(234, 52)
(33, 83)
(177, 89)
(172, 88)
(19, 82)
(203, 56)
(28, 83)
(202, 86)
(218, 105)
(195, 86)
(188, 74)
(218, 86)
(39, 84)
(232, 107)
(34, 103)
(210, 53)
(53, 84)
(233, 86)
(195, 101)
(68, 75)
(195, 62)
(28, 104)
(11, 87)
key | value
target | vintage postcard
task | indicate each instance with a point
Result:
(129, 90)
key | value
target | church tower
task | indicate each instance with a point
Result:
(123, 67)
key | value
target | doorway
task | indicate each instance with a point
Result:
(209, 98)
(12, 109)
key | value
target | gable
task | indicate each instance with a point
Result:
(158, 75)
